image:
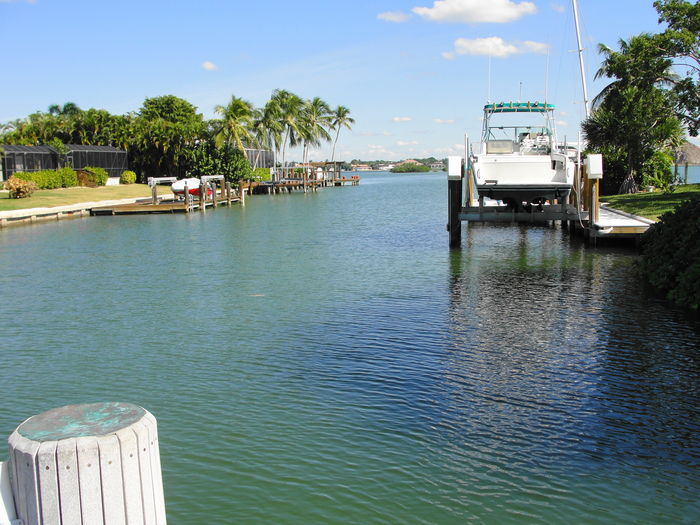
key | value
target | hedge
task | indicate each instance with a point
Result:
(50, 179)
(671, 254)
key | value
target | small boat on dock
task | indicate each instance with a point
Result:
(192, 184)
(521, 164)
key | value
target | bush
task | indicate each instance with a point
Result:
(19, 188)
(261, 174)
(68, 177)
(98, 175)
(127, 177)
(50, 179)
(671, 254)
(657, 171)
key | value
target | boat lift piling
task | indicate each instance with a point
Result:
(455, 177)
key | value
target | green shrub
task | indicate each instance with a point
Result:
(19, 188)
(127, 177)
(657, 171)
(98, 175)
(261, 174)
(671, 254)
(68, 177)
(50, 179)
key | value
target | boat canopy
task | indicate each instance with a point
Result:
(518, 107)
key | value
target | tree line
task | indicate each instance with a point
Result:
(640, 118)
(167, 136)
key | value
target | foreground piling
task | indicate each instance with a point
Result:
(95, 463)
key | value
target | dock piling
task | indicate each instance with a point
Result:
(93, 463)
(455, 176)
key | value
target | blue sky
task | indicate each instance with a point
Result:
(414, 73)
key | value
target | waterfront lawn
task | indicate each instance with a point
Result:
(654, 204)
(67, 196)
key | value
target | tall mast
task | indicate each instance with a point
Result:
(580, 59)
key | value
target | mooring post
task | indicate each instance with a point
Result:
(228, 192)
(455, 176)
(187, 199)
(242, 194)
(94, 463)
(202, 197)
(213, 195)
(154, 194)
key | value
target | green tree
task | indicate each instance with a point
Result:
(236, 123)
(290, 108)
(315, 118)
(340, 119)
(169, 108)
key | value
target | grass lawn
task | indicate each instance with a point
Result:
(66, 196)
(652, 205)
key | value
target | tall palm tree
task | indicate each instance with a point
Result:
(340, 119)
(315, 118)
(290, 107)
(236, 123)
(68, 109)
(268, 126)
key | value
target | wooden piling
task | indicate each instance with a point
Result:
(95, 463)
(154, 194)
(454, 204)
(228, 192)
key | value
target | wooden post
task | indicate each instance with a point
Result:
(685, 178)
(95, 463)
(213, 195)
(454, 207)
(242, 194)
(202, 197)
(187, 199)
(228, 192)
(154, 194)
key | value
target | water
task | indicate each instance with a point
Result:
(693, 174)
(324, 358)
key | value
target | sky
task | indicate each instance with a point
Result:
(415, 74)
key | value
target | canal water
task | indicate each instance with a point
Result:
(324, 358)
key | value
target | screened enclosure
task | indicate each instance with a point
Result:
(37, 158)
(260, 158)
(26, 158)
(113, 160)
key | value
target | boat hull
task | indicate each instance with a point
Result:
(178, 187)
(523, 178)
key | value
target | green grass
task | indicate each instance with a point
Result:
(66, 196)
(652, 205)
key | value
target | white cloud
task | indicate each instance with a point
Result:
(475, 11)
(402, 119)
(562, 123)
(493, 46)
(394, 16)
(449, 55)
(406, 143)
(557, 7)
(444, 121)
(209, 66)
(528, 46)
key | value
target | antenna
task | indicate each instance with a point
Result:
(580, 59)
(488, 92)
(520, 95)
(546, 79)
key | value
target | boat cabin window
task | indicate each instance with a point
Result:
(499, 146)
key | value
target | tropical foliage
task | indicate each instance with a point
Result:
(671, 254)
(410, 167)
(652, 96)
(167, 137)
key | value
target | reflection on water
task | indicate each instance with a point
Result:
(324, 358)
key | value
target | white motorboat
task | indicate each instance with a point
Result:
(521, 164)
(178, 187)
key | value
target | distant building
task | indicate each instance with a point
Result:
(437, 166)
(361, 167)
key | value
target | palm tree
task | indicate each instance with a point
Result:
(315, 118)
(268, 126)
(290, 107)
(341, 119)
(236, 123)
(69, 109)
